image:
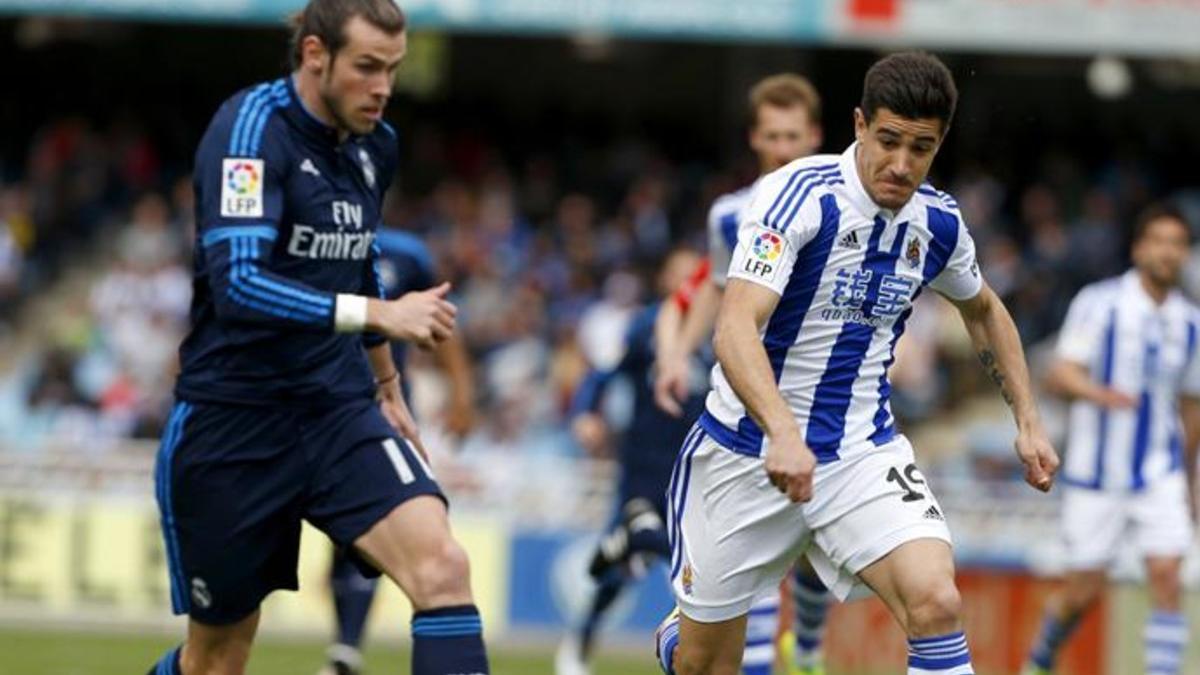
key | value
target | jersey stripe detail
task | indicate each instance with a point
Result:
(266, 296)
(1141, 434)
(795, 184)
(219, 234)
(788, 317)
(249, 104)
(1108, 358)
(278, 98)
(827, 178)
(827, 421)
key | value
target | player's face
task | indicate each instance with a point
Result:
(1162, 250)
(781, 135)
(894, 154)
(358, 82)
(677, 268)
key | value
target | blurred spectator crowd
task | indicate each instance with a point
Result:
(549, 256)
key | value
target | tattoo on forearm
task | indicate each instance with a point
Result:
(993, 370)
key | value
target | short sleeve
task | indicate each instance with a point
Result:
(722, 238)
(960, 278)
(1190, 385)
(766, 253)
(1083, 330)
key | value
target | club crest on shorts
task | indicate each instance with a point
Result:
(686, 579)
(766, 252)
(913, 254)
(200, 593)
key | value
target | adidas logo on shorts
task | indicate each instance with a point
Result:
(932, 513)
(850, 240)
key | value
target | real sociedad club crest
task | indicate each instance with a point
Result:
(368, 167)
(913, 255)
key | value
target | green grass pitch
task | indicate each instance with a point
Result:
(57, 653)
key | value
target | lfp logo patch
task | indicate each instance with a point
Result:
(242, 188)
(768, 246)
(765, 255)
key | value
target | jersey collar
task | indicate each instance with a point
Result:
(857, 195)
(302, 118)
(1132, 283)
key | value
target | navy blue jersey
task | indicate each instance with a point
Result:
(286, 218)
(648, 446)
(405, 265)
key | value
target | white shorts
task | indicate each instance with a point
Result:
(734, 536)
(1096, 524)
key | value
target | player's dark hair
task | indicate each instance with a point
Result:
(1156, 212)
(327, 20)
(785, 90)
(913, 85)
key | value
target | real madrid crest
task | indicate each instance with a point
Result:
(913, 254)
(368, 167)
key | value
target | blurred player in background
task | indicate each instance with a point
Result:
(785, 125)
(405, 265)
(797, 451)
(646, 453)
(1127, 358)
(278, 417)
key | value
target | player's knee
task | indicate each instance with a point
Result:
(699, 659)
(935, 610)
(1165, 589)
(442, 576)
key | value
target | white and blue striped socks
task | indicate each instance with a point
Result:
(940, 655)
(812, 604)
(1051, 638)
(1166, 639)
(666, 639)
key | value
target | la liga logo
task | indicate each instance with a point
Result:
(767, 246)
(242, 178)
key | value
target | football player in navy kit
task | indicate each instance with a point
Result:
(288, 403)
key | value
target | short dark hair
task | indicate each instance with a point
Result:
(785, 90)
(915, 85)
(327, 20)
(1156, 212)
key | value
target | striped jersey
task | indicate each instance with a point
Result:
(286, 215)
(723, 219)
(1145, 350)
(847, 273)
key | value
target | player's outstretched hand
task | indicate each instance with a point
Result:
(424, 318)
(1039, 458)
(790, 466)
(671, 380)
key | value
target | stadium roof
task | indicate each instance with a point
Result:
(1051, 26)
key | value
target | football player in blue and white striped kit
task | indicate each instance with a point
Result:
(797, 451)
(1127, 357)
(785, 125)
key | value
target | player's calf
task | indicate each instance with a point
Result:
(211, 650)
(414, 547)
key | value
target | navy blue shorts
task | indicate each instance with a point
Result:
(234, 482)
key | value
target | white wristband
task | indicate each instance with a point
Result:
(350, 313)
